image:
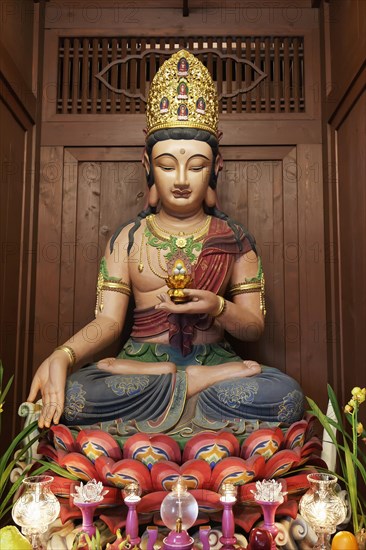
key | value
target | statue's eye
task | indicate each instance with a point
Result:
(166, 168)
(197, 168)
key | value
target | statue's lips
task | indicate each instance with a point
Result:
(181, 194)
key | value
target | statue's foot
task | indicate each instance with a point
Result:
(201, 377)
(127, 366)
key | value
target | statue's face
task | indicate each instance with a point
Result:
(182, 171)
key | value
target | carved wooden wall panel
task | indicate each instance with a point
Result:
(345, 25)
(113, 74)
(18, 201)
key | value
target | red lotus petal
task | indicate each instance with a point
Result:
(114, 518)
(266, 442)
(247, 517)
(68, 512)
(196, 473)
(61, 486)
(211, 447)
(121, 473)
(235, 470)
(47, 450)
(80, 466)
(95, 443)
(281, 462)
(208, 501)
(313, 446)
(288, 508)
(150, 448)
(298, 483)
(151, 503)
(295, 435)
(62, 438)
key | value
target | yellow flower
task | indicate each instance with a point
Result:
(359, 394)
(359, 428)
(348, 409)
(1, 407)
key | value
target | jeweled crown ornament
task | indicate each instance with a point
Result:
(182, 94)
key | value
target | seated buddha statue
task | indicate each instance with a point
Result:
(194, 274)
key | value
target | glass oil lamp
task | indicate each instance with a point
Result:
(179, 511)
(36, 508)
(322, 507)
(132, 496)
(228, 493)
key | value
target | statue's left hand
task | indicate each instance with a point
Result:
(200, 301)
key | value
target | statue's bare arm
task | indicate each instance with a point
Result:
(243, 316)
(50, 378)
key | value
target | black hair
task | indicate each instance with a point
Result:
(189, 134)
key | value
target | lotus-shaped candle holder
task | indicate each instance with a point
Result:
(93, 491)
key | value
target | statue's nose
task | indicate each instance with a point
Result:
(181, 181)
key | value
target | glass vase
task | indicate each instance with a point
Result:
(322, 507)
(36, 508)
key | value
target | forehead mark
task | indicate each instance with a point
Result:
(182, 151)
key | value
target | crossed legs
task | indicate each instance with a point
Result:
(199, 377)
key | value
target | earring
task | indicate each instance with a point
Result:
(210, 198)
(153, 196)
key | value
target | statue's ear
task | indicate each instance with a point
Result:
(210, 198)
(146, 162)
(153, 196)
(219, 163)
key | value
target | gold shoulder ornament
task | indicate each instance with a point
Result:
(256, 284)
(105, 282)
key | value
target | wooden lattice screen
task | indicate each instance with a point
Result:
(112, 75)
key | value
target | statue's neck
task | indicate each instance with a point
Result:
(173, 221)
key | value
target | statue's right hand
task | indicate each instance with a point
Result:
(50, 380)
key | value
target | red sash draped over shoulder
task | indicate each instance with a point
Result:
(220, 248)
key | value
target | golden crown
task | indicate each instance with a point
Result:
(182, 94)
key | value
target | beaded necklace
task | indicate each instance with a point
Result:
(180, 244)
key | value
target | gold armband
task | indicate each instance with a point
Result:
(221, 308)
(245, 288)
(70, 353)
(108, 283)
(256, 284)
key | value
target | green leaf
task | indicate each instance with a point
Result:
(13, 445)
(337, 412)
(59, 470)
(323, 419)
(4, 466)
(352, 487)
(360, 467)
(7, 387)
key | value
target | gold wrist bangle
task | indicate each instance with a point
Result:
(221, 308)
(70, 353)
